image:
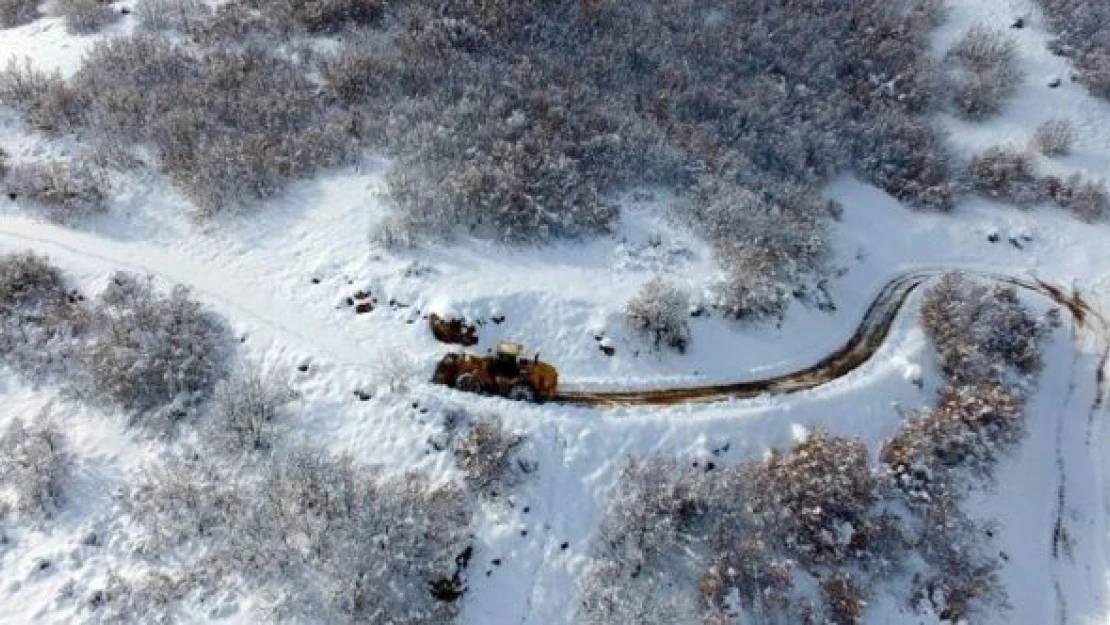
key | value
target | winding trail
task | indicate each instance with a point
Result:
(284, 318)
(868, 338)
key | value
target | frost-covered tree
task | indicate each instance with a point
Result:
(35, 463)
(17, 12)
(84, 17)
(1054, 137)
(246, 411)
(65, 192)
(660, 311)
(157, 356)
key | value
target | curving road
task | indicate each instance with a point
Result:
(869, 336)
(282, 317)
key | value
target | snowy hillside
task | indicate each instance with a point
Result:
(358, 491)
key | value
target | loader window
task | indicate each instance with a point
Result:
(505, 366)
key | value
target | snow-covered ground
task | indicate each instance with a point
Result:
(282, 275)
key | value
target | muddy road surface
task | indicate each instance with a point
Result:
(869, 336)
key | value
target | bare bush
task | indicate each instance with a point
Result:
(35, 463)
(324, 537)
(1083, 34)
(772, 248)
(65, 192)
(660, 311)
(174, 15)
(491, 458)
(85, 17)
(40, 314)
(246, 411)
(1086, 199)
(742, 537)
(156, 355)
(1005, 174)
(1054, 137)
(980, 332)
(18, 12)
(987, 72)
(966, 433)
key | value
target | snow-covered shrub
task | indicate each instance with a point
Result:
(1004, 174)
(491, 457)
(970, 427)
(175, 15)
(691, 544)
(980, 332)
(35, 463)
(1082, 28)
(84, 17)
(1054, 137)
(17, 12)
(246, 411)
(65, 192)
(40, 314)
(1086, 199)
(322, 537)
(905, 156)
(157, 356)
(21, 84)
(987, 72)
(772, 247)
(230, 125)
(660, 311)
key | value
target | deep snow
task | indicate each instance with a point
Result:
(258, 270)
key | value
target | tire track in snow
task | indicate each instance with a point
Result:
(207, 282)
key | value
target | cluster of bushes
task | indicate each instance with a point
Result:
(519, 120)
(1082, 30)
(806, 535)
(229, 124)
(17, 12)
(1054, 137)
(64, 191)
(980, 332)
(157, 356)
(802, 537)
(1009, 175)
(986, 72)
(84, 17)
(41, 314)
(315, 537)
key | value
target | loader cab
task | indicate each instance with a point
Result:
(506, 361)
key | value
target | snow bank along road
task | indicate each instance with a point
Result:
(283, 319)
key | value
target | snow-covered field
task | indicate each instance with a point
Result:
(281, 277)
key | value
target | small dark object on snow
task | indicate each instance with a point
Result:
(527, 509)
(697, 311)
(349, 301)
(13, 196)
(1055, 82)
(362, 295)
(709, 466)
(303, 367)
(363, 395)
(495, 561)
(1014, 242)
(608, 350)
(125, 11)
(1019, 23)
(564, 546)
(363, 308)
(447, 589)
(316, 281)
(452, 331)
(499, 319)
(598, 337)
(523, 532)
(993, 237)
